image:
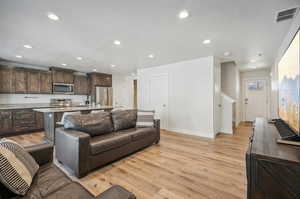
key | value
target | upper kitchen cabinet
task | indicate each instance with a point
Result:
(100, 79)
(68, 77)
(81, 85)
(45, 82)
(33, 81)
(20, 75)
(6, 80)
(60, 75)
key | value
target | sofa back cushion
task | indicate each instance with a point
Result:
(17, 167)
(94, 123)
(124, 119)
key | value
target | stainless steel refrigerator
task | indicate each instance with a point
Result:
(104, 96)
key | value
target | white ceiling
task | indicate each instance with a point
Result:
(88, 29)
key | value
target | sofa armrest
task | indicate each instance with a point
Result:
(116, 192)
(42, 153)
(72, 149)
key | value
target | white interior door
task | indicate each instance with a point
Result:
(159, 98)
(255, 99)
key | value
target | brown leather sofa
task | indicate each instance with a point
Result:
(51, 183)
(93, 140)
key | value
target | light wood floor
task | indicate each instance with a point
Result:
(181, 166)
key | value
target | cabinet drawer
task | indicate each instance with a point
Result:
(24, 115)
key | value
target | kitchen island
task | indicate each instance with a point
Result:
(50, 117)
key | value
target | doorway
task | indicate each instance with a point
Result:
(135, 106)
(159, 94)
(256, 98)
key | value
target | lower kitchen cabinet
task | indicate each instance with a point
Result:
(13, 122)
(6, 124)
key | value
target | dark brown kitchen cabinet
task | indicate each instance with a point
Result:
(20, 76)
(45, 82)
(24, 120)
(6, 124)
(39, 118)
(33, 81)
(60, 75)
(68, 77)
(98, 79)
(81, 85)
(6, 80)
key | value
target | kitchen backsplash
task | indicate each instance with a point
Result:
(37, 98)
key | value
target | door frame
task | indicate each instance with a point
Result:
(149, 95)
(244, 94)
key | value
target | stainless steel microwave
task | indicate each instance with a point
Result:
(60, 88)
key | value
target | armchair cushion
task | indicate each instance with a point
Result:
(94, 123)
(17, 167)
(124, 119)
(107, 142)
(116, 192)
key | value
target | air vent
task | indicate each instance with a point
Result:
(286, 14)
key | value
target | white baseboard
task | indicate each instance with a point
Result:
(227, 131)
(192, 132)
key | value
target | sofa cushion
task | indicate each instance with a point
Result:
(124, 119)
(94, 123)
(108, 142)
(138, 133)
(17, 167)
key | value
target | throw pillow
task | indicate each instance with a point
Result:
(145, 118)
(17, 167)
(123, 119)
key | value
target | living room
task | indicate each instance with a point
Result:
(143, 99)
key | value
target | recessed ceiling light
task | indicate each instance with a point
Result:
(183, 14)
(53, 16)
(151, 56)
(206, 41)
(227, 53)
(94, 70)
(27, 46)
(112, 65)
(117, 42)
(79, 58)
(252, 60)
(63, 64)
(19, 56)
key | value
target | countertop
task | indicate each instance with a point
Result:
(72, 109)
(30, 106)
(24, 106)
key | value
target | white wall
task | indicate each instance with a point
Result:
(255, 74)
(230, 81)
(37, 98)
(274, 79)
(191, 95)
(230, 77)
(123, 91)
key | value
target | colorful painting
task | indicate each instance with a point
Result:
(289, 85)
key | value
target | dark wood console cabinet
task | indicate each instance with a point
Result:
(273, 170)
